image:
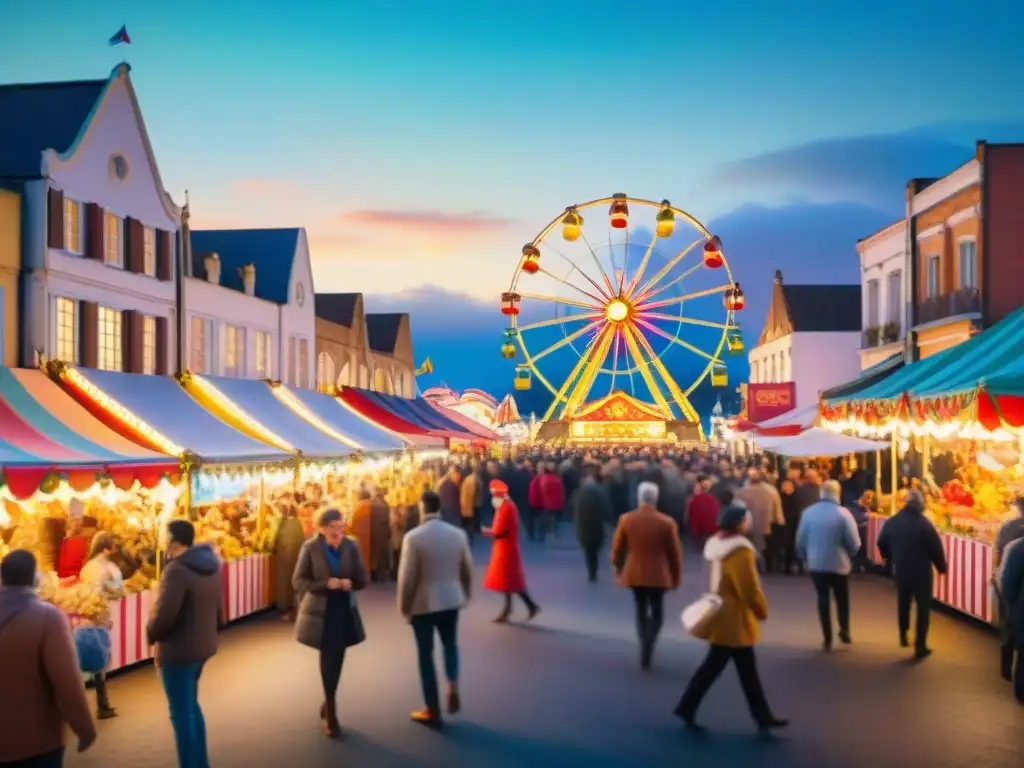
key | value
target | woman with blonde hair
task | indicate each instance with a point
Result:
(102, 574)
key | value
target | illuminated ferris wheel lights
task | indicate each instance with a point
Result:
(666, 220)
(618, 212)
(734, 299)
(510, 303)
(531, 259)
(572, 224)
(713, 258)
(617, 311)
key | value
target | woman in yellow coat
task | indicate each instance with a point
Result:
(733, 631)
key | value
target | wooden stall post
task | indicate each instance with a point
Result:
(261, 516)
(878, 474)
(894, 473)
(926, 458)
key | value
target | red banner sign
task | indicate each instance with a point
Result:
(766, 401)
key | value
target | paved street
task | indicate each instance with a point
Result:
(567, 691)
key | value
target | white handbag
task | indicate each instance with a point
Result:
(698, 615)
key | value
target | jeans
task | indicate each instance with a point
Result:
(53, 759)
(708, 672)
(469, 526)
(181, 685)
(826, 585)
(446, 624)
(1018, 676)
(649, 603)
(921, 594)
(590, 556)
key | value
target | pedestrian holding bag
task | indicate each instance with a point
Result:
(698, 616)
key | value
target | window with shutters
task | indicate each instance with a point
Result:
(109, 337)
(149, 251)
(197, 351)
(874, 303)
(73, 227)
(149, 345)
(894, 297)
(303, 373)
(113, 254)
(67, 330)
(234, 351)
(263, 369)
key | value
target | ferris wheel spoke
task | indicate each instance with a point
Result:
(685, 407)
(566, 282)
(560, 396)
(561, 343)
(684, 297)
(652, 292)
(597, 263)
(576, 267)
(615, 358)
(595, 362)
(645, 372)
(676, 340)
(560, 300)
(625, 264)
(560, 321)
(686, 320)
(669, 266)
(643, 266)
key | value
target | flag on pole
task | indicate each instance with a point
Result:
(121, 37)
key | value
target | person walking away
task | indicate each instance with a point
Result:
(40, 686)
(547, 494)
(791, 514)
(910, 544)
(673, 494)
(102, 575)
(449, 489)
(329, 572)
(380, 536)
(732, 632)
(470, 494)
(765, 507)
(1012, 530)
(591, 507)
(826, 541)
(183, 627)
(287, 543)
(647, 556)
(1011, 589)
(808, 490)
(860, 511)
(505, 572)
(435, 581)
(519, 491)
(359, 526)
(397, 522)
(702, 512)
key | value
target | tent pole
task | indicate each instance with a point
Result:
(893, 474)
(878, 474)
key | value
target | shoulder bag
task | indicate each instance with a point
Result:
(698, 615)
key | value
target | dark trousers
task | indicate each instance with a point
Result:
(530, 519)
(181, 685)
(446, 625)
(469, 526)
(590, 555)
(1018, 676)
(1008, 651)
(650, 615)
(53, 759)
(921, 595)
(548, 524)
(790, 561)
(773, 546)
(332, 659)
(828, 585)
(524, 596)
(708, 672)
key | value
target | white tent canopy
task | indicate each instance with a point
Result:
(818, 442)
(802, 417)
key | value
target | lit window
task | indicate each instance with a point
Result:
(968, 252)
(109, 340)
(112, 254)
(149, 345)
(149, 251)
(72, 226)
(303, 374)
(67, 330)
(934, 284)
(234, 351)
(197, 353)
(324, 372)
(263, 370)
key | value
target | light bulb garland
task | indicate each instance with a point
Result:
(204, 390)
(285, 396)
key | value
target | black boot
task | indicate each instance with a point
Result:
(103, 709)
(330, 720)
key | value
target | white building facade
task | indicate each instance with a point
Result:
(885, 287)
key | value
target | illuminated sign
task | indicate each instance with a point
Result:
(623, 431)
(766, 401)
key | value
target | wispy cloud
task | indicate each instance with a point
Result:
(426, 221)
(263, 187)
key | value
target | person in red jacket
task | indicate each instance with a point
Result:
(547, 496)
(74, 549)
(702, 512)
(505, 572)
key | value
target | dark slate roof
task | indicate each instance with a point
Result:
(823, 308)
(272, 251)
(382, 332)
(337, 308)
(41, 116)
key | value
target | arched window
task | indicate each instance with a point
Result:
(324, 372)
(380, 380)
(364, 376)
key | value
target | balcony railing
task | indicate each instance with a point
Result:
(964, 301)
(880, 335)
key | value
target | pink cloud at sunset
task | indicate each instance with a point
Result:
(425, 221)
(263, 187)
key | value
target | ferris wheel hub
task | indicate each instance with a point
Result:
(617, 310)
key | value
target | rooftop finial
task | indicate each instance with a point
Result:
(778, 275)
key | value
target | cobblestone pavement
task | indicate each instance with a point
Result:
(567, 691)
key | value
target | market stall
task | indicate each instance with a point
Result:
(380, 411)
(790, 423)
(484, 435)
(817, 442)
(67, 476)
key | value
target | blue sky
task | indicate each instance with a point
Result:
(421, 143)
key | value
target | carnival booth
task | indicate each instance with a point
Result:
(68, 476)
(816, 442)
(402, 417)
(954, 424)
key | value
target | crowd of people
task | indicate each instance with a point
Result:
(746, 518)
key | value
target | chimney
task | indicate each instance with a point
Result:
(249, 279)
(778, 275)
(212, 263)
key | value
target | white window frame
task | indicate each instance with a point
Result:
(113, 235)
(109, 335)
(74, 240)
(264, 367)
(199, 332)
(234, 351)
(935, 289)
(149, 251)
(960, 243)
(149, 350)
(894, 298)
(874, 298)
(66, 309)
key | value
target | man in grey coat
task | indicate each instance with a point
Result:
(826, 540)
(435, 578)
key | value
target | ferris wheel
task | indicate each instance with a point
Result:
(640, 300)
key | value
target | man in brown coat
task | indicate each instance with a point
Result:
(183, 626)
(765, 506)
(648, 558)
(40, 685)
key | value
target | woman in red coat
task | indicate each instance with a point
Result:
(505, 571)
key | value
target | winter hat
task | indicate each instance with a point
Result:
(732, 517)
